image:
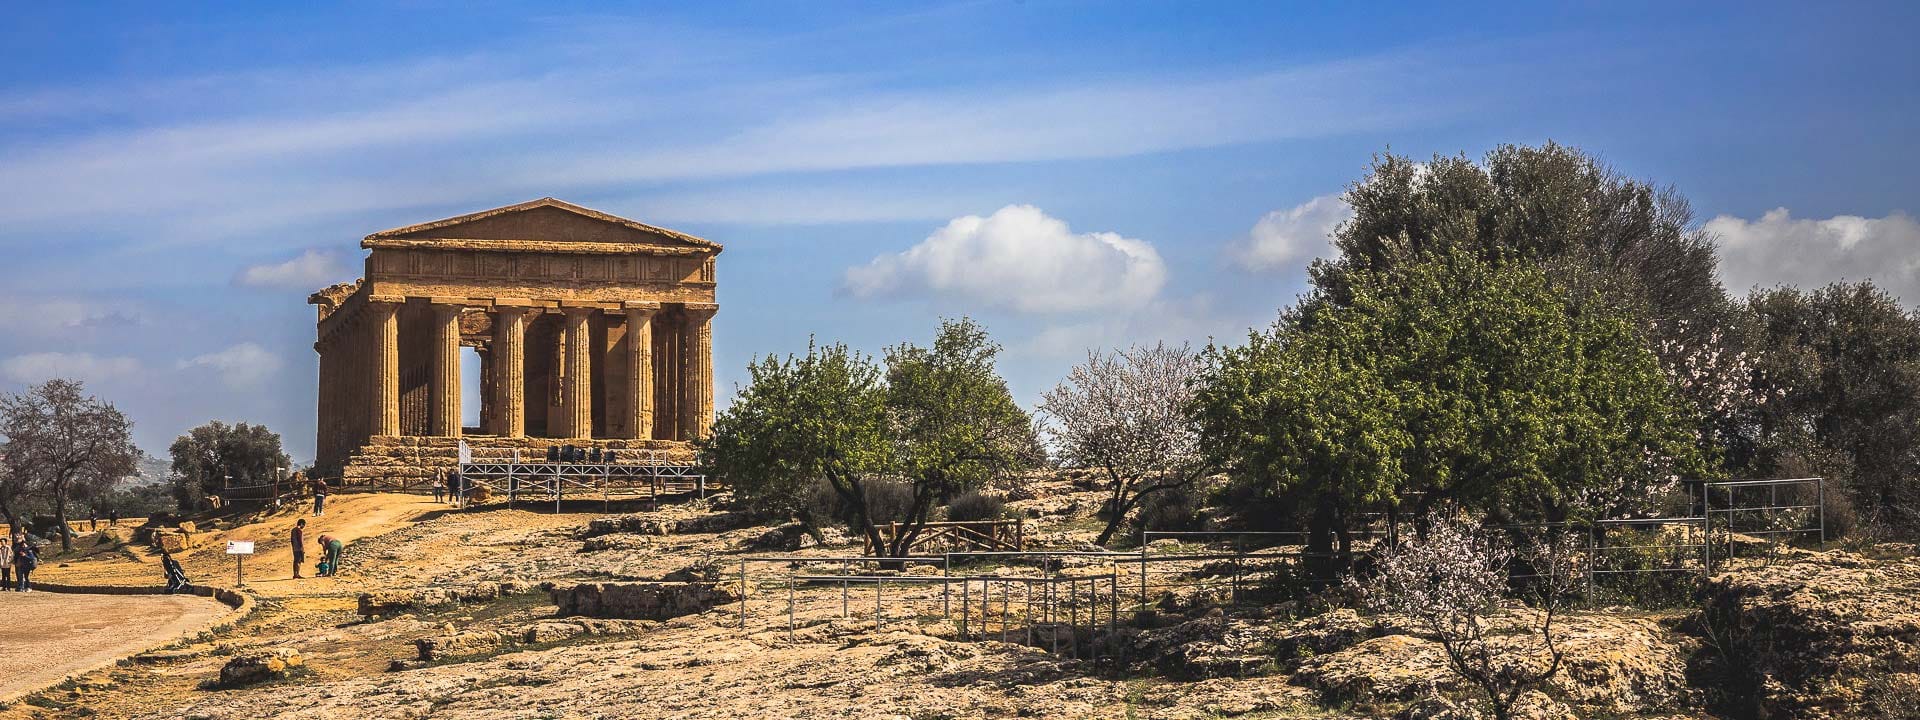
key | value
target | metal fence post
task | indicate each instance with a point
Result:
(1592, 557)
(966, 604)
(1820, 487)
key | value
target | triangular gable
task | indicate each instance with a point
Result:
(545, 219)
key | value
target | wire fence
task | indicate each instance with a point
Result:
(1072, 602)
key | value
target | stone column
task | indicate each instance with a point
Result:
(577, 402)
(384, 380)
(698, 403)
(510, 370)
(640, 368)
(444, 384)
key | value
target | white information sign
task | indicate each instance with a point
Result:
(239, 547)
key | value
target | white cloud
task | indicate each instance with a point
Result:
(240, 366)
(1286, 238)
(86, 367)
(1020, 259)
(312, 270)
(1780, 249)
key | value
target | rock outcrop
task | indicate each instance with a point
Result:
(1833, 634)
(259, 666)
(641, 600)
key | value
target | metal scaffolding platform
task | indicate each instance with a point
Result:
(651, 478)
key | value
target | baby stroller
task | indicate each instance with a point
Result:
(176, 575)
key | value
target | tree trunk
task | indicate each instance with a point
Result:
(60, 516)
(1320, 563)
(1114, 519)
(13, 521)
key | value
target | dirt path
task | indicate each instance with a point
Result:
(49, 635)
(348, 517)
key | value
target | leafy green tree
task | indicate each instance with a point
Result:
(1843, 373)
(205, 457)
(952, 423)
(65, 444)
(799, 421)
(1447, 379)
(939, 418)
(1600, 237)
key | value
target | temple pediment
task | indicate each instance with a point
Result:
(537, 225)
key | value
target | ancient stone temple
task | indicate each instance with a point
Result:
(591, 330)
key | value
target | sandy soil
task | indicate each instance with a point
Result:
(269, 570)
(49, 635)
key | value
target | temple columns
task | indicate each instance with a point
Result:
(640, 369)
(576, 410)
(510, 370)
(444, 384)
(384, 375)
(697, 405)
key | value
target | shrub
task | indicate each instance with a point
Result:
(976, 506)
(887, 501)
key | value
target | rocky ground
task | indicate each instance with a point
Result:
(453, 615)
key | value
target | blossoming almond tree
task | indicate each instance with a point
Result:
(1451, 583)
(1124, 413)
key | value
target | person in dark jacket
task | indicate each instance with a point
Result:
(319, 496)
(299, 546)
(25, 559)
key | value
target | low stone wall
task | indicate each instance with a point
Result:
(641, 600)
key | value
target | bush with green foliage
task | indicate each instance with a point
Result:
(938, 419)
(1447, 380)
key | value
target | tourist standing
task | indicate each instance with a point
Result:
(93, 519)
(458, 485)
(6, 563)
(299, 546)
(113, 517)
(25, 559)
(439, 489)
(319, 496)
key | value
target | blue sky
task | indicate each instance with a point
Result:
(173, 183)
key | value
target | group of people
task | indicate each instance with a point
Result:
(450, 489)
(93, 518)
(330, 548)
(18, 558)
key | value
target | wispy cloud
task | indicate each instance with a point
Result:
(309, 271)
(240, 366)
(482, 127)
(87, 367)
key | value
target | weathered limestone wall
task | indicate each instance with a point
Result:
(641, 600)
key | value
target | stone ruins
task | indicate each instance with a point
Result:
(591, 330)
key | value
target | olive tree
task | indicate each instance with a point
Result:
(1124, 414)
(952, 424)
(799, 421)
(939, 418)
(1447, 380)
(205, 457)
